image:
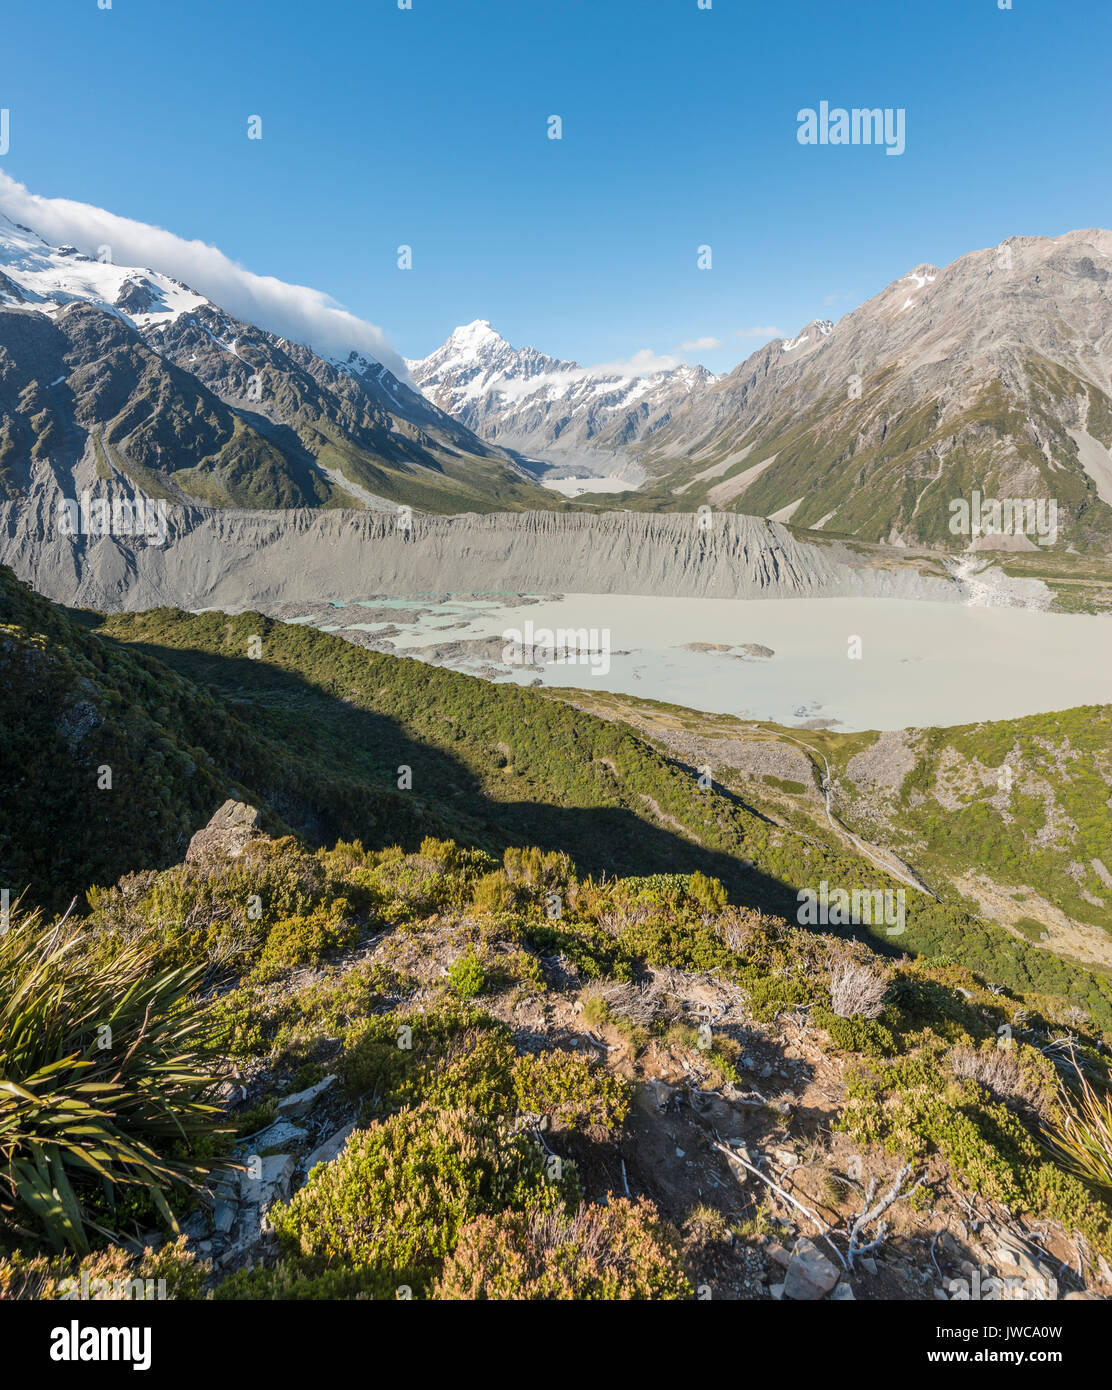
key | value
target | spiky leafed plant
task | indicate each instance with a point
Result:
(1080, 1134)
(102, 1081)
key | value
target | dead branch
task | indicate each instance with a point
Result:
(787, 1196)
(870, 1214)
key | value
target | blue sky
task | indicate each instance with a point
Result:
(428, 127)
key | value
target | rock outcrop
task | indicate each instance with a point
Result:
(226, 835)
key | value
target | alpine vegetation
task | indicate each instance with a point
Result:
(612, 807)
(839, 907)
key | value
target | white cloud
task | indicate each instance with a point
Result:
(642, 363)
(701, 345)
(292, 311)
(760, 331)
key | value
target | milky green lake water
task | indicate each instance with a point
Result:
(920, 663)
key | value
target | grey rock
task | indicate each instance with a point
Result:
(198, 1224)
(281, 1134)
(229, 831)
(727, 1122)
(330, 1149)
(224, 1218)
(274, 1174)
(1011, 1257)
(810, 1274)
(295, 1106)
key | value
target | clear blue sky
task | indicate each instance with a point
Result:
(428, 127)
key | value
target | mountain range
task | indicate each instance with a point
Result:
(576, 418)
(116, 373)
(991, 375)
(994, 373)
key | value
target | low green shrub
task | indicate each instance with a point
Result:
(620, 1251)
(397, 1197)
(305, 938)
(466, 976)
(570, 1091)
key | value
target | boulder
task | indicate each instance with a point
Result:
(224, 1218)
(810, 1274)
(270, 1180)
(1010, 1256)
(232, 827)
(282, 1134)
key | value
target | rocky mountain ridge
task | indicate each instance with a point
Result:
(993, 372)
(577, 419)
(120, 373)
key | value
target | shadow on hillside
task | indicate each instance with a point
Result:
(357, 751)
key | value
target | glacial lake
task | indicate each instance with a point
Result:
(920, 663)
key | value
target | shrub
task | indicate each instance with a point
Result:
(857, 990)
(401, 1191)
(570, 1091)
(1016, 1075)
(304, 938)
(856, 1034)
(111, 1275)
(706, 1223)
(466, 976)
(596, 1009)
(102, 1082)
(538, 870)
(620, 1251)
(472, 1071)
(400, 1054)
(707, 893)
(908, 1106)
(299, 1279)
(493, 893)
(413, 886)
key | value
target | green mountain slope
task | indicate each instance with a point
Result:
(319, 734)
(1014, 816)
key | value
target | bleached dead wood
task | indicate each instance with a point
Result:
(817, 1221)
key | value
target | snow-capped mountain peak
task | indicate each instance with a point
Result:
(473, 335)
(526, 400)
(36, 275)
